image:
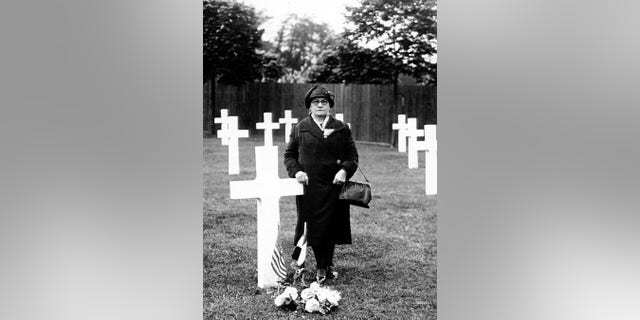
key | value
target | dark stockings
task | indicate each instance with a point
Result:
(324, 255)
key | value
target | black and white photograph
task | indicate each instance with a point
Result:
(320, 159)
(253, 159)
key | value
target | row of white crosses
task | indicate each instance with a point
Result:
(408, 142)
(267, 187)
(229, 133)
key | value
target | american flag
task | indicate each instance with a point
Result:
(278, 264)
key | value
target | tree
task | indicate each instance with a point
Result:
(299, 44)
(231, 40)
(271, 68)
(353, 64)
(231, 48)
(403, 29)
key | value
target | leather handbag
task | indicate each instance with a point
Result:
(356, 193)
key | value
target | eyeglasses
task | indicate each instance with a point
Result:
(319, 102)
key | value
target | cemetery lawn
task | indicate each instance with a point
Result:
(389, 272)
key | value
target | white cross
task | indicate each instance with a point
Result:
(288, 122)
(268, 126)
(232, 135)
(222, 120)
(430, 146)
(429, 132)
(412, 135)
(340, 117)
(401, 126)
(268, 188)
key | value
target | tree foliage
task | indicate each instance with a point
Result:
(298, 45)
(351, 63)
(398, 36)
(231, 42)
(271, 68)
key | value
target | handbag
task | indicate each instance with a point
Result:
(356, 193)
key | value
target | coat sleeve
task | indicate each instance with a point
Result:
(291, 155)
(350, 162)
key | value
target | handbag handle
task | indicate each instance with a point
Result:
(365, 177)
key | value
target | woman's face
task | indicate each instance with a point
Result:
(320, 107)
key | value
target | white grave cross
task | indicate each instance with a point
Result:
(430, 146)
(222, 120)
(412, 134)
(401, 126)
(232, 134)
(288, 122)
(268, 188)
(268, 126)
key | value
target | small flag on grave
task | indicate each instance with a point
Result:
(278, 264)
(300, 251)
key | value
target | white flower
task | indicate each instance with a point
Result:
(315, 298)
(322, 294)
(291, 292)
(313, 305)
(333, 297)
(314, 285)
(281, 300)
(307, 294)
(328, 295)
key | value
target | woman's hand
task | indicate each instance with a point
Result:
(302, 177)
(340, 177)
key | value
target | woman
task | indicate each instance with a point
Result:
(321, 155)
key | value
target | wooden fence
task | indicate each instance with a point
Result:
(369, 108)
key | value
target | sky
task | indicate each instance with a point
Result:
(329, 11)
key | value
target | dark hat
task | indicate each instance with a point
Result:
(318, 91)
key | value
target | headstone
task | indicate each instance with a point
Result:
(412, 134)
(401, 126)
(288, 122)
(268, 188)
(430, 146)
(268, 126)
(222, 120)
(232, 134)
(340, 117)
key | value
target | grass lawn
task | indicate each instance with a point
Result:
(389, 272)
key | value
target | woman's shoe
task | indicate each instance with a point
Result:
(331, 274)
(321, 275)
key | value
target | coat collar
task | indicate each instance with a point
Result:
(335, 124)
(307, 124)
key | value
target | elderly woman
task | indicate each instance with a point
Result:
(322, 156)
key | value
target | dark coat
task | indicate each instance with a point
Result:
(327, 218)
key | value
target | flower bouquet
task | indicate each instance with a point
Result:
(312, 299)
